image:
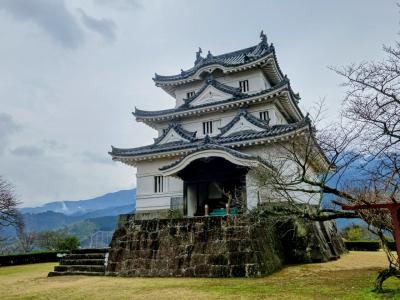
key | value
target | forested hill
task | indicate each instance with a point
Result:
(80, 217)
(81, 207)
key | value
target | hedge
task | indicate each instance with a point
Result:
(29, 258)
(363, 245)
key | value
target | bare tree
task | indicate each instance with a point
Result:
(373, 102)
(310, 168)
(9, 215)
(364, 145)
(27, 239)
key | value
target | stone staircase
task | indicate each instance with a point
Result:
(82, 262)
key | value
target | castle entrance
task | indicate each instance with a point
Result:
(215, 182)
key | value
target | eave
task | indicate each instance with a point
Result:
(152, 118)
(268, 63)
(186, 148)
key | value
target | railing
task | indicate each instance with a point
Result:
(101, 239)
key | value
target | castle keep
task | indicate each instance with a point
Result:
(230, 112)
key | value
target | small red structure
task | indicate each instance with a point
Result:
(394, 209)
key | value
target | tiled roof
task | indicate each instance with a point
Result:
(188, 135)
(272, 131)
(249, 117)
(185, 107)
(231, 59)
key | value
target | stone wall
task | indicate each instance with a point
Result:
(305, 241)
(212, 246)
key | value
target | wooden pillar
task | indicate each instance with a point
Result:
(395, 212)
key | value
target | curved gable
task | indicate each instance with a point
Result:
(209, 95)
(172, 136)
(243, 121)
(214, 150)
(175, 133)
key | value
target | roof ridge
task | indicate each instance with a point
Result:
(272, 131)
(184, 107)
(229, 59)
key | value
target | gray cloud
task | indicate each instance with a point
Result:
(105, 27)
(54, 145)
(91, 157)
(50, 15)
(7, 128)
(81, 100)
(120, 4)
(29, 151)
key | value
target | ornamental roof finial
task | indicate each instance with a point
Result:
(209, 55)
(198, 56)
(263, 37)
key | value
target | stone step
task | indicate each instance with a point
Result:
(85, 256)
(79, 268)
(71, 262)
(90, 250)
(56, 273)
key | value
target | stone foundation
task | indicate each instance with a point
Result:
(216, 246)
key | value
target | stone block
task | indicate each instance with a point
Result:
(252, 270)
(236, 258)
(198, 259)
(219, 259)
(202, 270)
(188, 272)
(220, 271)
(237, 271)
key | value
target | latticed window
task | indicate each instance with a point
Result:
(264, 115)
(158, 184)
(244, 85)
(189, 94)
(207, 127)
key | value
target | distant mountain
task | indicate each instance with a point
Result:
(78, 217)
(82, 207)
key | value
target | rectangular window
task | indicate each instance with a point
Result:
(264, 115)
(189, 94)
(158, 184)
(244, 85)
(207, 127)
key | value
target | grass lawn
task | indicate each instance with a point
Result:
(350, 277)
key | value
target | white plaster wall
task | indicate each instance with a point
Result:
(220, 119)
(146, 198)
(256, 78)
(251, 191)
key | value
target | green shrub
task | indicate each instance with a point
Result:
(355, 233)
(68, 243)
(57, 240)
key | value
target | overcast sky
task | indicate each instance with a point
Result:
(71, 73)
